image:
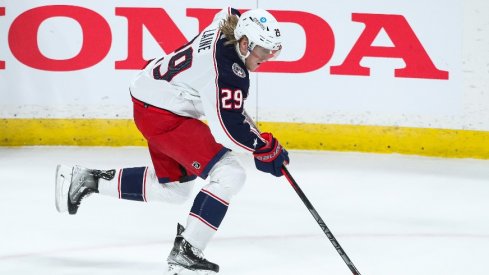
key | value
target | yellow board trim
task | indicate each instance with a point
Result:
(383, 139)
(80, 132)
(376, 139)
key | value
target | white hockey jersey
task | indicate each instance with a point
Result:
(203, 79)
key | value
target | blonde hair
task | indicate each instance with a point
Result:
(227, 28)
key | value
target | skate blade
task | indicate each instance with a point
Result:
(205, 272)
(174, 269)
(62, 187)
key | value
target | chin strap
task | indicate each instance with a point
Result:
(243, 57)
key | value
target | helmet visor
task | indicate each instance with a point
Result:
(264, 54)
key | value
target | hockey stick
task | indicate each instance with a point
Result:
(313, 211)
(320, 221)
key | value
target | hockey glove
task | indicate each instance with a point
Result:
(271, 157)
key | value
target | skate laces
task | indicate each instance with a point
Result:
(104, 174)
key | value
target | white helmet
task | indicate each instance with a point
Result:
(261, 28)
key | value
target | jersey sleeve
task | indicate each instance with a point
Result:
(226, 119)
(224, 102)
(239, 133)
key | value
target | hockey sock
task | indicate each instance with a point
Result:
(141, 184)
(204, 219)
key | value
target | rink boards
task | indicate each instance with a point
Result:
(371, 76)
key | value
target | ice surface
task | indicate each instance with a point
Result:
(392, 214)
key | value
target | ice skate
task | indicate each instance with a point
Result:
(185, 257)
(75, 183)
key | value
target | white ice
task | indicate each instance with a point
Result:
(393, 215)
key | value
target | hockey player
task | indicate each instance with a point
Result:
(206, 78)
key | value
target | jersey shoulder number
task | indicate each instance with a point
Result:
(178, 63)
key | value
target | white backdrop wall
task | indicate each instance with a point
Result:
(305, 86)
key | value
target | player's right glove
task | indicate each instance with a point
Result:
(271, 156)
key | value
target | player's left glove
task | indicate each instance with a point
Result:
(270, 157)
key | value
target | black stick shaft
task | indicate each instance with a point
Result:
(313, 211)
(320, 221)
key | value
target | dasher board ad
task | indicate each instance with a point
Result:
(368, 62)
